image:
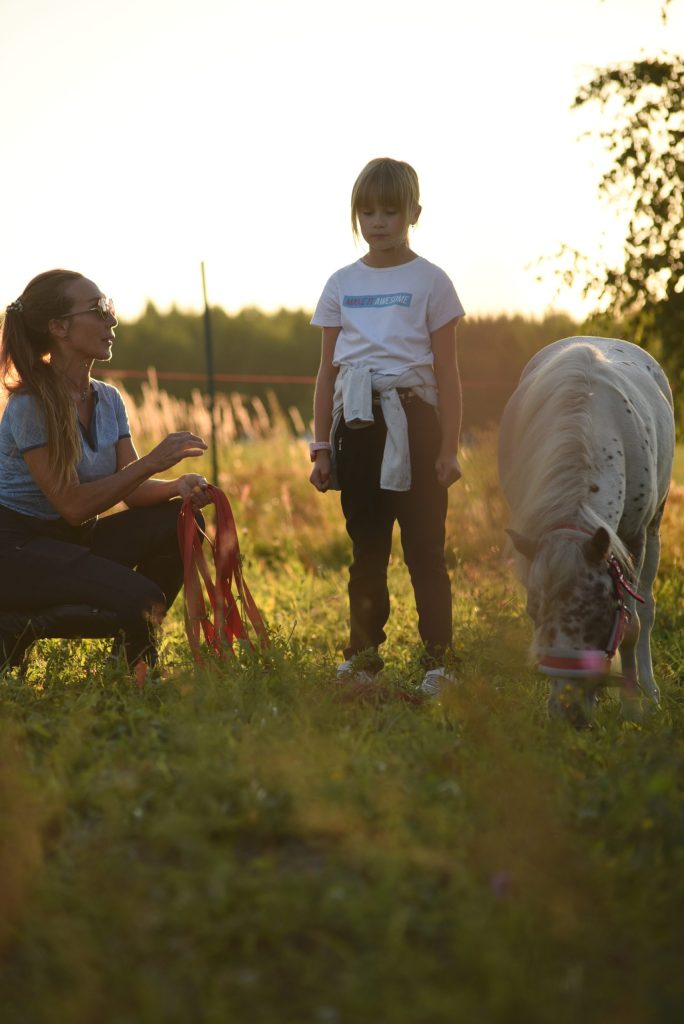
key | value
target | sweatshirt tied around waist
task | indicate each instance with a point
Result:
(353, 400)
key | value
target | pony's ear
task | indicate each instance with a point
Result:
(597, 547)
(524, 545)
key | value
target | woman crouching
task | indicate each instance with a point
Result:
(66, 456)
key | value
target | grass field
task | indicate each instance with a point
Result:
(246, 843)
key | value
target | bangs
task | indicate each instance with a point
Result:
(383, 188)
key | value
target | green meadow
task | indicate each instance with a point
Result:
(249, 842)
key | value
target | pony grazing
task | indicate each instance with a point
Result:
(585, 461)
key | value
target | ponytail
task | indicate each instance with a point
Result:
(24, 364)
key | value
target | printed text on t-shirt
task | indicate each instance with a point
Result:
(377, 301)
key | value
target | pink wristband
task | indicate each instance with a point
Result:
(319, 446)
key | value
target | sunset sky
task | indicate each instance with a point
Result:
(143, 136)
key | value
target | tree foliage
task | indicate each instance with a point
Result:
(643, 105)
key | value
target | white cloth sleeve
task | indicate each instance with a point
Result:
(443, 304)
(328, 312)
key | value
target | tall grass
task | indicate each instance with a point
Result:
(236, 417)
(248, 842)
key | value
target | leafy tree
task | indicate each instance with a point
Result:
(644, 134)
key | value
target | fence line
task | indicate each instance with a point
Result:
(258, 378)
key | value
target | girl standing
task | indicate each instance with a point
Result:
(387, 414)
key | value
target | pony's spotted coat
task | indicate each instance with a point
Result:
(585, 460)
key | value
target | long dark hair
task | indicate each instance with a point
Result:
(25, 344)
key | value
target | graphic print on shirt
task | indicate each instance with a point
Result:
(377, 301)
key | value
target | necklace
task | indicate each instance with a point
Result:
(82, 393)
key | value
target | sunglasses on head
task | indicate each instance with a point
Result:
(105, 308)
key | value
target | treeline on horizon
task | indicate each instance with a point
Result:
(492, 353)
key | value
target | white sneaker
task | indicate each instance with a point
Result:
(348, 672)
(436, 680)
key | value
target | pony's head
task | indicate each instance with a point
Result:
(575, 597)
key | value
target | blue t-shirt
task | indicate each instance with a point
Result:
(23, 428)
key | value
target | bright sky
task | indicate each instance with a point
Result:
(143, 136)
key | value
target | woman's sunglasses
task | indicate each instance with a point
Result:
(105, 307)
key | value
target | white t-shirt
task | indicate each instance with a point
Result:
(387, 313)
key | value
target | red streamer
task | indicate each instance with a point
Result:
(229, 615)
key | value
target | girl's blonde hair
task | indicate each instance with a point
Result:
(25, 345)
(389, 182)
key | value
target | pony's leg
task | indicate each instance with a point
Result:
(646, 612)
(630, 694)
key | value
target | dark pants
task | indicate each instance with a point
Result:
(128, 563)
(370, 513)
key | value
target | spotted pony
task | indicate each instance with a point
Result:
(585, 461)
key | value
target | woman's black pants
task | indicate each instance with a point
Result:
(128, 563)
(370, 513)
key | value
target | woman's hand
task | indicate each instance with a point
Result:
(179, 445)
(448, 469)
(192, 485)
(320, 474)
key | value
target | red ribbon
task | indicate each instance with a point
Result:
(230, 614)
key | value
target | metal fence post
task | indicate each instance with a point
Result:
(211, 384)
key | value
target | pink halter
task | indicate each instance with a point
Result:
(573, 664)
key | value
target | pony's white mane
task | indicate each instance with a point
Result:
(554, 456)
